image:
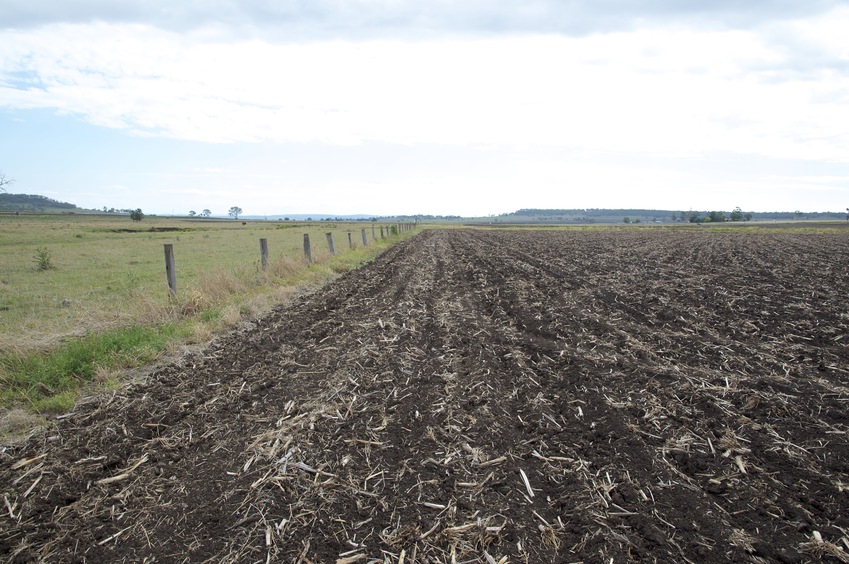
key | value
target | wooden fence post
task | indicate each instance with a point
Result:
(263, 253)
(365, 241)
(330, 243)
(373, 236)
(170, 271)
(350, 241)
(381, 233)
(307, 249)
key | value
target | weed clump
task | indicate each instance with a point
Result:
(43, 259)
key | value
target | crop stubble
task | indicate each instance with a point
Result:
(482, 396)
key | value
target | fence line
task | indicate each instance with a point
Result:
(397, 229)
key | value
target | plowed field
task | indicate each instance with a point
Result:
(478, 396)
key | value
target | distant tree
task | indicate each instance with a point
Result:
(674, 217)
(626, 219)
(192, 213)
(716, 216)
(737, 214)
(4, 181)
(235, 212)
(206, 213)
(136, 215)
(637, 220)
(694, 217)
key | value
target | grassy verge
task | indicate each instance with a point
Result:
(50, 382)
(48, 379)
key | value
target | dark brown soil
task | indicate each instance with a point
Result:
(482, 396)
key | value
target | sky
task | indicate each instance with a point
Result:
(439, 107)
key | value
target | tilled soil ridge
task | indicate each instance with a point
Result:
(474, 396)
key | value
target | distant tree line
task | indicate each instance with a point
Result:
(116, 210)
(598, 215)
(713, 216)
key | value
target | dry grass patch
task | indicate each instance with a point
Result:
(15, 422)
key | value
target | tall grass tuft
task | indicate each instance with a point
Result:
(287, 267)
(214, 287)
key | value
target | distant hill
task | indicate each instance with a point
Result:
(33, 203)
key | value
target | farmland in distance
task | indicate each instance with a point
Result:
(557, 396)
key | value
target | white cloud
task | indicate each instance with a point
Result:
(656, 91)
